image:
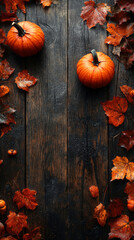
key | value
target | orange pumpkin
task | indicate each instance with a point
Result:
(12, 152)
(95, 70)
(130, 205)
(2, 206)
(25, 38)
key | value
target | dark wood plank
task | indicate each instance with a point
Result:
(47, 121)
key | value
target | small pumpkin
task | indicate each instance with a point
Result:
(130, 205)
(12, 152)
(25, 38)
(95, 70)
(2, 206)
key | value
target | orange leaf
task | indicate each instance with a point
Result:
(16, 222)
(11, 5)
(94, 14)
(101, 214)
(115, 208)
(24, 80)
(6, 16)
(122, 167)
(129, 190)
(121, 228)
(126, 91)
(46, 3)
(118, 32)
(114, 109)
(127, 139)
(94, 191)
(3, 90)
(26, 198)
(5, 69)
(33, 235)
(2, 36)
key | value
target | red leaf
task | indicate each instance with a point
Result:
(127, 139)
(46, 3)
(16, 222)
(100, 214)
(114, 109)
(127, 5)
(121, 228)
(26, 198)
(118, 33)
(129, 190)
(11, 5)
(24, 80)
(121, 17)
(33, 235)
(3, 90)
(115, 208)
(126, 91)
(6, 16)
(2, 36)
(94, 14)
(5, 69)
(94, 191)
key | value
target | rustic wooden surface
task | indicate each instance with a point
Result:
(62, 136)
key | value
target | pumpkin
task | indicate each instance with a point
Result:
(130, 205)
(12, 152)
(25, 38)
(2, 206)
(95, 70)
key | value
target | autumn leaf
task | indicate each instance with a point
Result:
(120, 17)
(114, 109)
(33, 235)
(100, 214)
(16, 222)
(94, 191)
(7, 16)
(26, 198)
(24, 80)
(8, 238)
(121, 228)
(2, 229)
(115, 208)
(118, 32)
(126, 91)
(122, 167)
(5, 69)
(126, 5)
(2, 50)
(46, 3)
(11, 5)
(2, 36)
(3, 90)
(129, 190)
(4, 129)
(94, 14)
(127, 139)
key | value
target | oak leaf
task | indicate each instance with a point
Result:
(100, 214)
(3, 90)
(5, 69)
(46, 3)
(129, 190)
(121, 228)
(115, 208)
(33, 235)
(24, 80)
(16, 222)
(7, 16)
(94, 13)
(118, 32)
(126, 5)
(2, 36)
(127, 139)
(94, 191)
(26, 198)
(114, 109)
(11, 5)
(126, 91)
(122, 167)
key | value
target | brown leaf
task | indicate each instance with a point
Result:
(121, 17)
(115, 208)
(3, 90)
(11, 5)
(24, 80)
(46, 3)
(33, 235)
(127, 139)
(100, 214)
(126, 91)
(5, 69)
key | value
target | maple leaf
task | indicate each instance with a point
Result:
(100, 214)
(94, 14)
(26, 198)
(115, 208)
(114, 109)
(33, 235)
(126, 5)
(121, 228)
(6, 16)
(127, 139)
(16, 222)
(5, 69)
(94, 191)
(3, 90)
(120, 17)
(129, 190)
(118, 33)
(46, 3)
(24, 80)
(126, 91)
(122, 167)
(2, 36)
(11, 5)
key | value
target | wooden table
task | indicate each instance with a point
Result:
(62, 135)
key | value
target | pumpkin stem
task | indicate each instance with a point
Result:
(95, 57)
(21, 31)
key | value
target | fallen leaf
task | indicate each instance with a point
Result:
(126, 91)
(4, 129)
(33, 235)
(120, 17)
(2, 229)
(11, 5)
(129, 190)
(94, 191)
(26, 198)
(7, 16)
(16, 222)
(121, 228)
(122, 167)
(127, 139)
(3, 90)
(126, 5)
(94, 14)
(5, 69)
(2, 50)
(114, 109)
(115, 208)
(2, 36)
(24, 80)
(46, 3)
(100, 214)
(118, 33)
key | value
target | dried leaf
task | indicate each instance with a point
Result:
(11, 5)
(2, 36)
(114, 109)
(94, 14)
(94, 191)
(129, 190)
(126, 5)
(122, 167)
(121, 228)
(26, 198)
(100, 214)
(24, 80)
(33, 235)
(7, 16)
(115, 208)
(16, 222)
(126, 91)
(3, 90)
(46, 3)
(5, 69)
(127, 139)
